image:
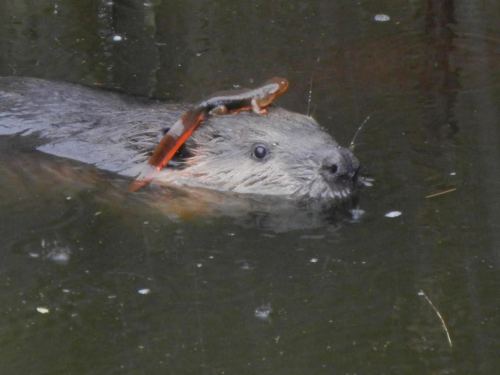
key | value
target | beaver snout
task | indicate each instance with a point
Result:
(340, 165)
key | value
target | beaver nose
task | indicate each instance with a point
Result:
(340, 164)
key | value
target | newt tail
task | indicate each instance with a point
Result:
(176, 137)
(169, 145)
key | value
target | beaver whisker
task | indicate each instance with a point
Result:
(352, 144)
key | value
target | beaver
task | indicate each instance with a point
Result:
(282, 153)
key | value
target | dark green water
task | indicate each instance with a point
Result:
(224, 297)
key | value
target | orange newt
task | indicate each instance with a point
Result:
(256, 100)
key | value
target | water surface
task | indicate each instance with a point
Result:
(120, 287)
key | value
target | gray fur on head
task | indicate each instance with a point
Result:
(299, 161)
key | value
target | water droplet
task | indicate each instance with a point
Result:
(263, 312)
(246, 266)
(357, 214)
(59, 255)
(393, 214)
(381, 17)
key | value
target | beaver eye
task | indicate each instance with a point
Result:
(260, 151)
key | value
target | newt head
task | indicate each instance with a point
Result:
(282, 85)
(274, 88)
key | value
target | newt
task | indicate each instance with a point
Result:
(256, 100)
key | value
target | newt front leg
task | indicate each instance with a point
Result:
(256, 108)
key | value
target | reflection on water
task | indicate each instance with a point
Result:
(93, 281)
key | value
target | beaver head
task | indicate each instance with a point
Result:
(280, 154)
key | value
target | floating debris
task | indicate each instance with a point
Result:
(246, 266)
(393, 214)
(59, 255)
(117, 38)
(439, 193)
(421, 293)
(144, 291)
(312, 237)
(263, 312)
(42, 310)
(381, 17)
(313, 260)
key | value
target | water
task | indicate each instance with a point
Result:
(91, 283)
